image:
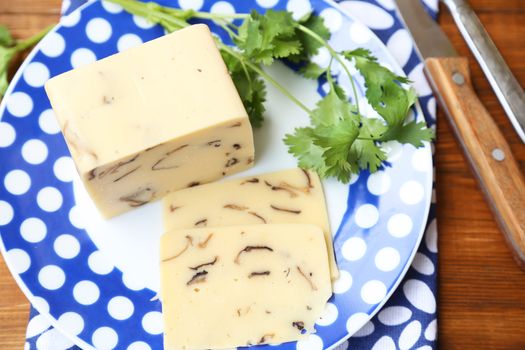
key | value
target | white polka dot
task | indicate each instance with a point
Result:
(17, 182)
(332, 19)
(111, 7)
(86, 292)
(40, 304)
(399, 225)
(353, 178)
(359, 33)
(393, 150)
(37, 325)
(19, 104)
(425, 347)
(7, 134)
(299, 8)
(36, 74)
(71, 19)
(410, 335)
(51, 277)
(431, 107)
(411, 192)
(431, 237)
(378, 183)
(266, 3)
(71, 322)
(64, 169)
(66, 246)
(354, 248)
(33, 230)
(104, 338)
(419, 82)
(366, 330)
(53, 339)
(48, 122)
(328, 316)
(53, 45)
(384, 343)
(81, 57)
(120, 308)
(366, 216)
(421, 160)
(419, 294)
(369, 14)
(223, 8)
(34, 151)
(49, 199)
(139, 345)
(313, 342)
(142, 23)
(343, 283)
(152, 322)
(98, 30)
(128, 41)
(77, 217)
(191, 4)
(400, 45)
(6, 213)
(373, 292)
(423, 264)
(322, 57)
(19, 260)
(99, 263)
(387, 259)
(394, 315)
(356, 322)
(431, 331)
(133, 281)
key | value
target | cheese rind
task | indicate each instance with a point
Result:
(242, 285)
(152, 119)
(289, 196)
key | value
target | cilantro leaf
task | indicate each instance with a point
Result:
(383, 89)
(6, 40)
(312, 70)
(413, 133)
(310, 45)
(301, 144)
(332, 109)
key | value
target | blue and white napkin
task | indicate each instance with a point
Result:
(409, 319)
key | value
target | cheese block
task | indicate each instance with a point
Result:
(242, 285)
(289, 196)
(152, 119)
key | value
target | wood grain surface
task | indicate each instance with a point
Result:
(482, 290)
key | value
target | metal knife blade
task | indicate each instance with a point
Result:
(428, 36)
(486, 149)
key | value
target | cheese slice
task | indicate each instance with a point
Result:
(242, 285)
(152, 119)
(289, 196)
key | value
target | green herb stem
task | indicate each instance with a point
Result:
(27, 43)
(265, 75)
(334, 55)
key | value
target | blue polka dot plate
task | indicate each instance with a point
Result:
(97, 280)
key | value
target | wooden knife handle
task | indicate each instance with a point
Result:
(486, 149)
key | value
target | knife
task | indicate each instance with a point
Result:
(503, 82)
(485, 148)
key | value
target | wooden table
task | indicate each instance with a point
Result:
(482, 291)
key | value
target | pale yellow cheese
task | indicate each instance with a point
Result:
(289, 196)
(242, 285)
(152, 119)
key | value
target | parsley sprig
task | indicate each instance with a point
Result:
(9, 48)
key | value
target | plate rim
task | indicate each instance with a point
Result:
(429, 185)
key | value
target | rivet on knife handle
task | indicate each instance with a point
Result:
(505, 85)
(485, 148)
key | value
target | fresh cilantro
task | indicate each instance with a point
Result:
(340, 141)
